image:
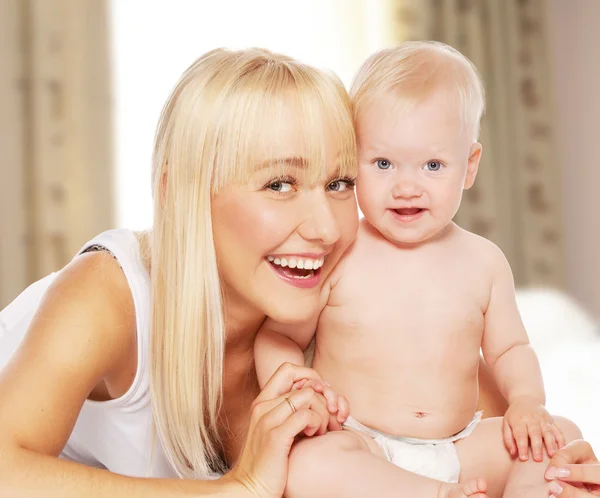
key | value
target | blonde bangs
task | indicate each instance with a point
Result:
(256, 119)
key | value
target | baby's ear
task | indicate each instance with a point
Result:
(473, 165)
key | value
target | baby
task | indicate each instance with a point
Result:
(416, 297)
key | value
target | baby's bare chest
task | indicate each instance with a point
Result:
(419, 302)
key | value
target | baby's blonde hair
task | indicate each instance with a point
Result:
(226, 105)
(413, 71)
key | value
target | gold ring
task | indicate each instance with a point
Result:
(291, 405)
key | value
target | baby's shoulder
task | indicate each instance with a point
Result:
(480, 250)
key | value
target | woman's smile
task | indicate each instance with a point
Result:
(300, 270)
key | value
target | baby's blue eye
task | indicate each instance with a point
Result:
(383, 164)
(433, 166)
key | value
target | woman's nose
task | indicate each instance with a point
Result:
(320, 223)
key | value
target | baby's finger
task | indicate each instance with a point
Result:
(283, 379)
(332, 399)
(509, 440)
(550, 440)
(343, 409)
(558, 434)
(334, 425)
(537, 443)
(522, 438)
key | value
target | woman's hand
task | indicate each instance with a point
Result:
(278, 416)
(577, 464)
(338, 406)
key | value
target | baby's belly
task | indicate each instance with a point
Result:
(407, 395)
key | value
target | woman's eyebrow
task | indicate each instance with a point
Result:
(295, 161)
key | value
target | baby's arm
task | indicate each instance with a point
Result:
(278, 343)
(505, 345)
(515, 367)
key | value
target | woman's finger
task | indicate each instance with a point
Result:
(564, 490)
(586, 473)
(299, 384)
(303, 420)
(285, 406)
(316, 385)
(577, 451)
(283, 380)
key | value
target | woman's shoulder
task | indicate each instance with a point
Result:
(92, 301)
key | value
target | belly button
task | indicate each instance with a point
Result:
(420, 414)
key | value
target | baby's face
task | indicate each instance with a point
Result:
(413, 167)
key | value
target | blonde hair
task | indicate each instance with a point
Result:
(223, 107)
(413, 71)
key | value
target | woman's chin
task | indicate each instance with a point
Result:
(294, 313)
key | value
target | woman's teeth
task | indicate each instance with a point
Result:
(301, 263)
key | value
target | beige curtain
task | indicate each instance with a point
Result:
(516, 199)
(55, 135)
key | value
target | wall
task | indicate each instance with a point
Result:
(575, 42)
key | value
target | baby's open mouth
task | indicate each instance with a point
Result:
(408, 211)
(296, 267)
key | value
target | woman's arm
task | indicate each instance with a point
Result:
(83, 335)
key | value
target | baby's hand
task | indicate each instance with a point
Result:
(526, 419)
(337, 405)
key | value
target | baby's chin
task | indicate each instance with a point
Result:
(406, 236)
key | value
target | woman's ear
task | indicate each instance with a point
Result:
(473, 165)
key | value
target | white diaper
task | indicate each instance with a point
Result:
(435, 458)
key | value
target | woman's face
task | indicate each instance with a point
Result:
(279, 236)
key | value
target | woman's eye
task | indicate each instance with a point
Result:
(280, 187)
(383, 164)
(432, 166)
(340, 185)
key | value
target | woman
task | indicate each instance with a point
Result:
(137, 357)
(574, 471)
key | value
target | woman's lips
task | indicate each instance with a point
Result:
(298, 277)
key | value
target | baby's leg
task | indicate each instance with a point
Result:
(483, 454)
(526, 479)
(348, 464)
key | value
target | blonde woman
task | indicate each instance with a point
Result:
(133, 367)
(137, 357)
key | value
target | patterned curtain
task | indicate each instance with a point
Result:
(516, 199)
(55, 134)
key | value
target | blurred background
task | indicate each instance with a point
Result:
(82, 83)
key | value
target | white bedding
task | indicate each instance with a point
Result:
(567, 342)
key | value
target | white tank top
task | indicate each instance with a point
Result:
(115, 435)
